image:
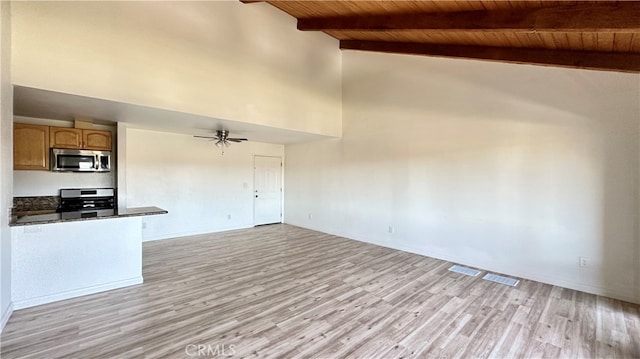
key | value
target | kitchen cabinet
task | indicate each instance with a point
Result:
(64, 137)
(96, 140)
(30, 147)
(31, 143)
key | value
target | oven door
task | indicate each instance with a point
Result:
(88, 213)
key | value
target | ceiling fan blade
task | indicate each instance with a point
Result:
(209, 137)
(237, 139)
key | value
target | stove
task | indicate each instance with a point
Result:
(86, 202)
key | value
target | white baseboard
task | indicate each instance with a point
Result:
(193, 232)
(6, 315)
(622, 293)
(31, 302)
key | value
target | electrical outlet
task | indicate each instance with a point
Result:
(228, 216)
(584, 262)
(144, 225)
(391, 229)
(310, 216)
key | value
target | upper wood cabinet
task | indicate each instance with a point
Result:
(96, 140)
(63, 137)
(30, 147)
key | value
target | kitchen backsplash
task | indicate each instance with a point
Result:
(36, 203)
(47, 183)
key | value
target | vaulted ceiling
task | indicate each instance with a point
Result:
(601, 35)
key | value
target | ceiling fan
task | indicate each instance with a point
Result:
(222, 139)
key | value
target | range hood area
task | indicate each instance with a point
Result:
(83, 161)
(50, 154)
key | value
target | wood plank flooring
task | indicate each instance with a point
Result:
(285, 292)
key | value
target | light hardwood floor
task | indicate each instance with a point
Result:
(281, 292)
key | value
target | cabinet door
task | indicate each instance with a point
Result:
(30, 147)
(62, 137)
(97, 140)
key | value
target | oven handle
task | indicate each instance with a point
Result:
(97, 161)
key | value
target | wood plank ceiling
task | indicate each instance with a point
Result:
(603, 35)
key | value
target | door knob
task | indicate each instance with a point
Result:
(256, 196)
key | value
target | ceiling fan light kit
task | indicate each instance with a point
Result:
(222, 139)
(221, 143)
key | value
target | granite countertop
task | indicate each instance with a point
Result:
(54, 217)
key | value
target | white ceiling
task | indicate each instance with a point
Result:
(32, 102)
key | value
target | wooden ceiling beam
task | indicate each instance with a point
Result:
(610, 61)
(600, 17)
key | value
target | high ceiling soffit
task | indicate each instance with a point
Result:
(599, 35)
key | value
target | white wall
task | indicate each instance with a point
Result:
(47, 183)
(223, 59)
(513, 168)
(6, 161)
(192, 180)
(637, 270)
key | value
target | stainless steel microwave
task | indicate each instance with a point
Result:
(63, 160)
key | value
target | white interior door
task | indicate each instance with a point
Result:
(267, 180)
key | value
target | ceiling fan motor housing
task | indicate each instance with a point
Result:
(222, 134)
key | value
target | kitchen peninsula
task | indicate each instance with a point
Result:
(55, 259)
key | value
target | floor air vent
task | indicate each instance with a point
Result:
(500, 279)
(464, 270)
